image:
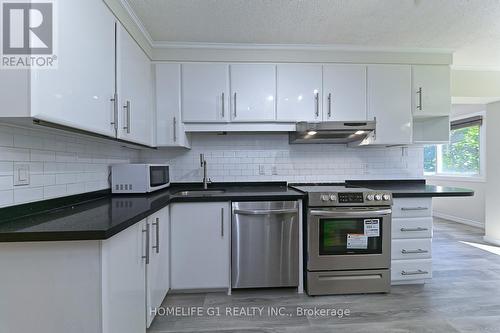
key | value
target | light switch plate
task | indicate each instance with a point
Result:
(21, 174)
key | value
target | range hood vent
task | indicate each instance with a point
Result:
(338, 132)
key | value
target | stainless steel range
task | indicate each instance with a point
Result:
(348, 240)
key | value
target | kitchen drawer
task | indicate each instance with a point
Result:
(412, 207)
(415, 227)
(411, 248)
(413, 269)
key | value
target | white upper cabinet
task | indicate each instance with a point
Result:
(135, 91)
(344, 92)
(200, 251)
(253, 92)
(431, 90)
(169, 126)
(78, 93)
(299, 92)
(389, 103)
(205, 93)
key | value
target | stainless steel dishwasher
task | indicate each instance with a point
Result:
(265, 244)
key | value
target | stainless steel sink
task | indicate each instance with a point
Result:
(199, 192)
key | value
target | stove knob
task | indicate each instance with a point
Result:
(370, 197)
(387, 197)
(333, 197)
(378, 197)
(325, 197)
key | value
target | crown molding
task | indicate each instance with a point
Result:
(126, 5)
(476, 68)
(305, 47)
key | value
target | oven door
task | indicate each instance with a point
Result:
(349, 238)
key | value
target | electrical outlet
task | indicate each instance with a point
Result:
(21, 174)
(262, 170)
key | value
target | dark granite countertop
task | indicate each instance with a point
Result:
(100, 215)
(411, 188)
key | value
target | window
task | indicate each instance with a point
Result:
(462, 156)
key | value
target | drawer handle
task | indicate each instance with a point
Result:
(417, 272)
(404, 251)
(414, 229)
(414, 208)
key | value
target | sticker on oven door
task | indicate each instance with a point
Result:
(372, 228)
(357, 241)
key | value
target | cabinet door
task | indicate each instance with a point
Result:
(78, 93)
(344, 92)
(169, 126)
(200, 245)
(431, 90)
(205, 93)
(389, 103)
(135, 91)
(157, 272)
(124, 281)
(299, 92)
(253, 92)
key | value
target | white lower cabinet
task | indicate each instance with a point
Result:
(200, 251)
(411, 248)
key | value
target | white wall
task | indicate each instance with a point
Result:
(468, 210)
(492, 222)
(60, 164)
(238, 157)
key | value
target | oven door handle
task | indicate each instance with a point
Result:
(365, 213)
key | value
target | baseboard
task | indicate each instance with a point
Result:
(491, 240)
(471, 223)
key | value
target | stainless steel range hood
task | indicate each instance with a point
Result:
(340, 132)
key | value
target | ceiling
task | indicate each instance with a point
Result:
(469, 27)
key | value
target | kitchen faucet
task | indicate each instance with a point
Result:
(203, 164)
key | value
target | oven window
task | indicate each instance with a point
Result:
(158, 175)
(350, 236)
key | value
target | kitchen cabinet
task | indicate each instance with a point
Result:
(124, 280)
(170, 130)
(78, 93)
(135, 90)
(344, 92)
(411, 240)
(253, 92)
(389, 103)
(299, 92)
(157, 271)
(200, 251)
(431, 90)
(205, 92)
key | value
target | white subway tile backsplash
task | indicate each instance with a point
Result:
(237, 157)
(60, 164)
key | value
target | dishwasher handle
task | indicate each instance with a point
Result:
(265, 212)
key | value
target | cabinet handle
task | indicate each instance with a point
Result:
(413, 229)
(157, 225)
(147, 244)
(222, 105)
(404, 251)
(235, 114)
(115, 110)
(417, 272)
(222, 222)
(329, 105)
(413, 208)
(419, 93)
(175, 129)
(375, 130)
(127, 115)
(316, 101)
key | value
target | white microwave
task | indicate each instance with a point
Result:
(139, 178)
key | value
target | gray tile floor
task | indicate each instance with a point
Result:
(463, 296)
